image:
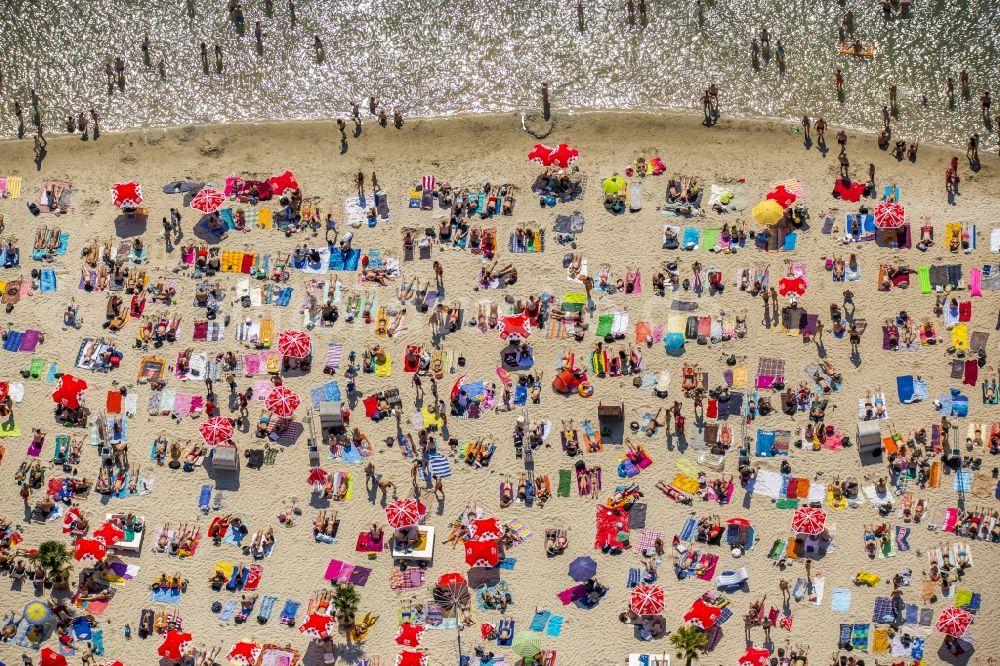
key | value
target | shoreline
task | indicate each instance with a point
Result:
(559, 121)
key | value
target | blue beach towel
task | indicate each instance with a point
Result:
(289, 610)
(339, 261)
(47, 280)
(555, 625)
(228, 610)
(81, 629)
(691, 238)
(205, 497)
(167, 596)
(97, 642)
(840, 600)
(540, 620)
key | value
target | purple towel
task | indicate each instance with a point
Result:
(30, 340)
(359, 576)
(35, 449)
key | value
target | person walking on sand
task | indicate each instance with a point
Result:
(806, 128)
(785, 594)
(359, 180)
(820, 129)
(972, 151)
(885, 116)
(845, 164)
(438, 488)
(342, 126)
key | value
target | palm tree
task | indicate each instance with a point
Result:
(688, 642)
(345, 602)
(55, 558)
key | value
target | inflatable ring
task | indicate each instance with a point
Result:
(585, 389)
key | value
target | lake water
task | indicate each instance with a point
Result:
(443, 57)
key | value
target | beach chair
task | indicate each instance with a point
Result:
(635, 197)
(731, 580)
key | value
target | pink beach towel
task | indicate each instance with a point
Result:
(572, 594)
(251, 364)
(708, 562)
(261, 390)
(182, 405)
(976, 282)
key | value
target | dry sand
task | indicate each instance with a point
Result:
(471, 151)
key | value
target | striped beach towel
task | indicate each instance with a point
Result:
(439, 466)
(521, 531)
(334, 354)
(428, 183)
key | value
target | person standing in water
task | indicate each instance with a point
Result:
(986, 102)
(161, 68)
(218, 58)
(204, 57)
(258, 35)
(318, 47)
(81, 122)
(579, 16)
(145, 51)
(630, 11)
(190, 8)
(754, 53)
(96, 118)
(963, 81)
(838, 77)
(642, 12)
(291, 11)
(892, 96)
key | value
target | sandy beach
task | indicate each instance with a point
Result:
(745, 156)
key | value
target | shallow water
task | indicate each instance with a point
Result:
(441, 57)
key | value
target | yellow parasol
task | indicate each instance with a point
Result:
(768, 212)
(613, 185)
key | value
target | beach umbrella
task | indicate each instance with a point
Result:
(540, 154)
(453, 578)
(244, 652)
(282, 402)
(702, 614)
(217, 430)
(889, 215)
(73, 515)
(317, 477)
(486, 528)
(582, 568)
(109, 534)
(409, 634)
(69, 391)
(126, 194)
(518, 325)
(283, 181)
(808, 520)
(613, 185)
(89, 549)
(35, 612)
(50, 657)
(754, 657)
(482, 553)
(317, 625)
(174, 645)
(454, 595)
(294, 344)
(953, 621)
(742, 522)
(208, 200)
(410, 658)
(648, 600)
(4, 391)
(564, 156)
(457, 386)
(402, 512)
(768, 212)
(527, 643)
(116, 662)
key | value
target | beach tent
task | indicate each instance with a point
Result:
(869, 442)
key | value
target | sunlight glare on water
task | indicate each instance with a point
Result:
(442, 57)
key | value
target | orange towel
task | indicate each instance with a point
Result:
(935, 479)
(114, 403)
(790, 550)
(642, 331)
(802, 490)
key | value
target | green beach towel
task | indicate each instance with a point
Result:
(924, 273)
(604, 324)
(9, 429)
(565, 478)
(35, 370)
(710, 238)
(963, 598)
(787, 504)
(573, 302)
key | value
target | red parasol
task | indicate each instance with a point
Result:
(482, 553)
(518, 325)
(648, 600)
(889, 215)
(453, 578)
(244, 652)
(403, 513)
(317, 475)
(702, 614)
(208, 200)
(808, 520)
(754, 657)
(217, 430)
(282, 402)
(564, 156)
(109, 534)
(409, 634)
(294, 344)
(50, 657)
(781, 196)
(4, 391)
(126, 194)
(540, 154)
(317, 625)
(457, 386)
(116, 662)
(742, 522)
(408, 658)
(89, 549)
(69, 391)
(487, 528)
(174, 645)
(953, 621)
(283, 181)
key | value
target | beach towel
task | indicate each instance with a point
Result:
(840, 600)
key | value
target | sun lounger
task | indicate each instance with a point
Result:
(731, 580)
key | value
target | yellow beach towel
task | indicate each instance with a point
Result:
(685, 484)
(264, 218)
(384, 369)
(740, 377)
(227, 568)
(431, 419)
(687, 467)
(960, 337)
(14, 184)
(842, 504)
